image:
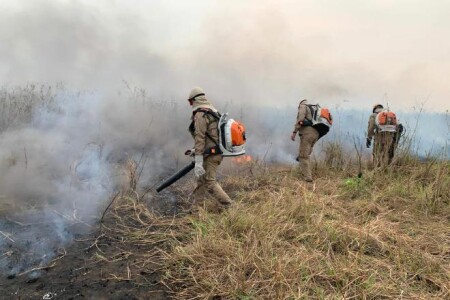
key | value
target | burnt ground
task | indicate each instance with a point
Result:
(94, 264)
(79, 275)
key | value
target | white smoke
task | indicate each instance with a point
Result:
(60, 150)
(261, 52)
(67, 160)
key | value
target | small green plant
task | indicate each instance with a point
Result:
(355, 187)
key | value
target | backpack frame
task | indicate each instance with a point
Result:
(225, 145)
(390, 119)
(318, 122)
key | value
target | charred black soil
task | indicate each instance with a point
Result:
(95, 262)
(78, 273)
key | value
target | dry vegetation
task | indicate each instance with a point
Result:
(382, 236)
(18, 104)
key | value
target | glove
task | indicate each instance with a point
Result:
(293, 136)
(400, 129)
(368, 142)
(199, 170)
(190, 152)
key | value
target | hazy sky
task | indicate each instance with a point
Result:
(271, 52)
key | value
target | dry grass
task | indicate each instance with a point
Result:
(382, 236)
(135, 238)
(19, 104)
(377, 237)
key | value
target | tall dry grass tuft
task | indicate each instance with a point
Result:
(334, 155)
(135, 238)
(19, 104)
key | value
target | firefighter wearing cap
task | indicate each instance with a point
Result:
(308, 137)
(384, 142)
(206, 137)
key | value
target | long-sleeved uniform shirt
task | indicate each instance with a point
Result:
(303, 114)
(372, 127)
(204, 123)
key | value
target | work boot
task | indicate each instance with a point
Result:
(218, 193)
(226, 204)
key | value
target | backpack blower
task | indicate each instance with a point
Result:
(232, 140)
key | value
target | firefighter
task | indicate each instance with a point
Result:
(308, 137)
(204, 130)
(385, 142)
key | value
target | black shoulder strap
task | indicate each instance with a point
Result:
(207, 111)
(215, 115)
(210, 137)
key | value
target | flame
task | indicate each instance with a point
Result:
(242, 159)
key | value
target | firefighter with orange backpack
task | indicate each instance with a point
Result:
(386, 131)
(208, 130)
(311, 124)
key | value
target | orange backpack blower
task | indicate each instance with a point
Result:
(386, 121)
(232, 136)
(321, 119)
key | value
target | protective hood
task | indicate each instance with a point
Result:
(202, 102)
(378, 107)
(304, 101)
(378, 110)
(196, 92)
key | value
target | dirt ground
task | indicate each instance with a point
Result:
(78, 275)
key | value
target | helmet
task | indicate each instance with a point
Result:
(196, 92)
(377, 105)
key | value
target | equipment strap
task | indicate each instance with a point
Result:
(213, 150)
(313, 113)
(209, 112)
(210, 137)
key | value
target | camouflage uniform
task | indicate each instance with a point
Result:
(384, 143)
(205, 133)
(308, 137)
